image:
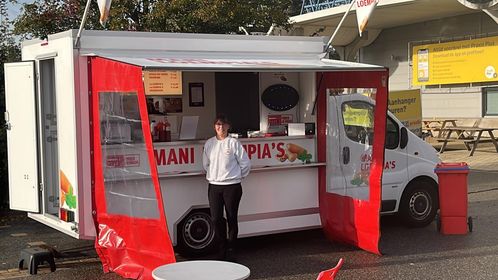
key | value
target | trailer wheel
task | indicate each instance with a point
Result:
(419, 203)
(195, 234)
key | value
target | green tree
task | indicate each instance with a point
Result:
(212, 16)
(9, 51)
(43, 17)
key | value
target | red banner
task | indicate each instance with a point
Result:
(130, 241)
(345, 218)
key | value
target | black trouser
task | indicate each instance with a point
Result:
(228, 196)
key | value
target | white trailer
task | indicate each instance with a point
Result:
(52, 132)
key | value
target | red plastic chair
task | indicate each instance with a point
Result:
(330, 273)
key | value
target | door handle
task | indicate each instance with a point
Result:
(345, 155)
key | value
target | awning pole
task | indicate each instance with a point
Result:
(316, 94)
(339, 25)
(83, 21)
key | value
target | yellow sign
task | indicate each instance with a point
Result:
(357, 116)
(163, 82)
(467, 61)
(407, 107)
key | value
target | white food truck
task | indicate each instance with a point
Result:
(82, 124)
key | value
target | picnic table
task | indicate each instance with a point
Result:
(461, 136)
(434, 124)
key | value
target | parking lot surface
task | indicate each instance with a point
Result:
(409, 253)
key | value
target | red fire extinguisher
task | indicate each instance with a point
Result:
(167, 129)
(164, 130)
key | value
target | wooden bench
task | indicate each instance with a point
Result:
(432, 125)
(466, 135)
(435, 127)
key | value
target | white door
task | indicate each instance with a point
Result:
(20, 117)
(356, 135)
(354, 130)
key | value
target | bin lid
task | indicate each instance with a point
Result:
(451, 166)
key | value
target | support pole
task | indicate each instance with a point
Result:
(82, 25)
(339, 26)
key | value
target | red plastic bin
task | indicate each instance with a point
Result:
(453, 198)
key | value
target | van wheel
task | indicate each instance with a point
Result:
(195, 234)
(419, 203)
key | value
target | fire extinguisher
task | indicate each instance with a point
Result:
(161, 131)
(167, 129)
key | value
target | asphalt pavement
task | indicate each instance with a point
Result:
(420, 253)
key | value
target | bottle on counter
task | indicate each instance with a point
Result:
(163, 129)
(153, 130)
(160, 128)
(167, 129)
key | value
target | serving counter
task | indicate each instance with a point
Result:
(280, 193)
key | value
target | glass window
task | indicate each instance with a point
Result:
(392, 134)
(129, 189)
(358, 118)
(490, 101)
(358, 121)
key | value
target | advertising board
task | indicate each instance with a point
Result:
(466, 61)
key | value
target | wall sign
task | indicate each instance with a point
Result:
(157, 82)
(196, 94)
(467, 61)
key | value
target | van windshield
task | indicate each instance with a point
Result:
(359, 122)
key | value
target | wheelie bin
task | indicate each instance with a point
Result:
(453, 198)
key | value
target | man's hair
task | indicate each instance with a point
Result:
(221, 118)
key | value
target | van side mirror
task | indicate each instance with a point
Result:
(404, 138)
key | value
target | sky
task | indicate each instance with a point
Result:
(14, 9)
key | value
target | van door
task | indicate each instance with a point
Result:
(355, 129)
(20, 118)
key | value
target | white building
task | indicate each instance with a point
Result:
(454, 88)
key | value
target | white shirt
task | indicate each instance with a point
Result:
(225, 161)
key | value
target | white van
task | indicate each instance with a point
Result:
(54, 121)
(409, 184)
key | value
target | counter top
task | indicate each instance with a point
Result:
(202, 141)
(242, 140)
(253, 169)
(256, 169)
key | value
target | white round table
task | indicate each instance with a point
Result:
(201, 270)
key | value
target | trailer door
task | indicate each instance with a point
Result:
(20, 118)
(350, 184)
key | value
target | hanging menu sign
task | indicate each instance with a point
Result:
(162, 82)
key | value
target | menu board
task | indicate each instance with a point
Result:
(157, 82)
